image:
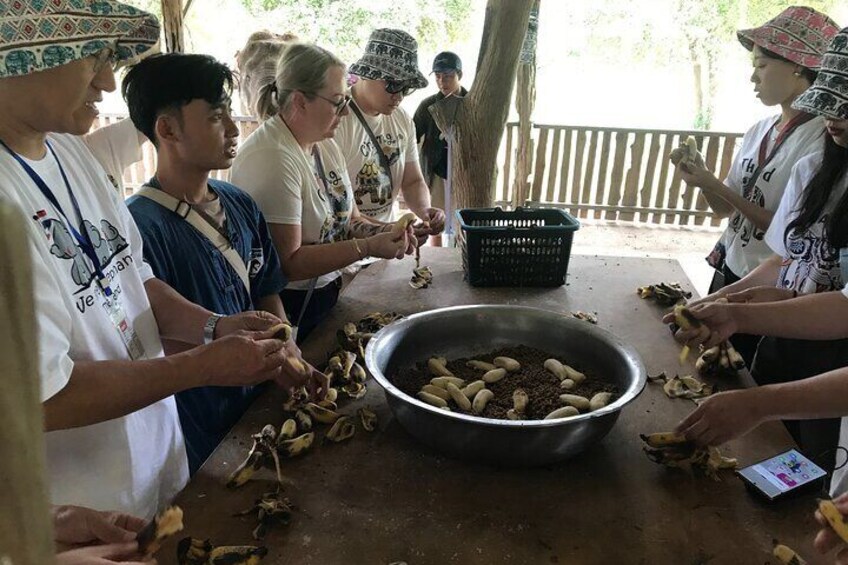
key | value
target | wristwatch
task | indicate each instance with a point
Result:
(209, 328)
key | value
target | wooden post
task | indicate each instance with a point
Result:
(172, 21)
(478, 120)
(26, 536)
(525, 101)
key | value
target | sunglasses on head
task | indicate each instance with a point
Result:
(399, 87)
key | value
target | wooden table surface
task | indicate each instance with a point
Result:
(382, 497)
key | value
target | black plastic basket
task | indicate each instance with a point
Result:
(522, 247)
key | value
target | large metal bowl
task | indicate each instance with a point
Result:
(464, 331)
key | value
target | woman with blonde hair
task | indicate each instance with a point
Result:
(296, 173)
(257, 61)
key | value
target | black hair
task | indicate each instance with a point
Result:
(808, 74)
(817, 193)
(163, 83)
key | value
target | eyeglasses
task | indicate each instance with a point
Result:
(399, 87)
(339, 105)
(103, 57)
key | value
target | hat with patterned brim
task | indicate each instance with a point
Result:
(798, 34)
(40, 35)
(391, 54)
(828, 96)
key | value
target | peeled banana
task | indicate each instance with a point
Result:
(835, 518)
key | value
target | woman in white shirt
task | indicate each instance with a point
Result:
(809, 233)
(786, 53)
(296, 173)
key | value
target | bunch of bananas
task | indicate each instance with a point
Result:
(665, 294)
(269, 446)
(722, 359)
(271, 508)
(673, 450)
(345, 366)
(193, 551)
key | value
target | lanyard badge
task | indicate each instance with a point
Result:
(110, 302)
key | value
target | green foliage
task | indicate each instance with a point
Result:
(344, 25)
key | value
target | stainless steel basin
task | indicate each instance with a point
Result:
(464, 331)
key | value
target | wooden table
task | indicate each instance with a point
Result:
(382, 497)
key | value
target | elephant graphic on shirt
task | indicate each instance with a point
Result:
(115, 240)
(370, 180)
(64, 247)
(101, 247)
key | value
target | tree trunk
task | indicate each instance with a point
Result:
(697, 75)
(172, 21)
(25, 532)
(479, 118)
(525, 101)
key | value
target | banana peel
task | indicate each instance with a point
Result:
(665, 294)
(786, 554)
(164, 525)
(671, 450)
(272, 508)
(192, 551)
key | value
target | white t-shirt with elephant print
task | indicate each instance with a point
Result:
(135, 463)
(375, 195)
(810, 262)
(744, 243)
(283, 179)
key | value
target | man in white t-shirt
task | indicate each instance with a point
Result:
(113, 441)
(377, 137)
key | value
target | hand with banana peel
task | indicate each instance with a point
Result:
(724, 416)
(97, 537)
(717, 313)
(832, 535)
(250, 348)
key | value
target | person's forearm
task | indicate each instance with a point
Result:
(821, 396)
(310, 261)
(417, 197)
(815, 316)
(363, 226)
(177, 318)
(273, 305)
(719, 205)
(764, 275)
(103, 390)
(759, 216)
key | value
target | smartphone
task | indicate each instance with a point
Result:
(782, 475)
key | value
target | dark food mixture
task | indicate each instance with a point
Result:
(542, 387)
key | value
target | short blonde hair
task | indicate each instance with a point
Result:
(303, 67)
(257, 59)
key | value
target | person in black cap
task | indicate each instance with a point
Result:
(447, 67)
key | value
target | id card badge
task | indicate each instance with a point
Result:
(123, 326)
(843, 264)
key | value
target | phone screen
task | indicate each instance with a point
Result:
(782, 473)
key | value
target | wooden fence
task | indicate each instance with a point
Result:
(593, 172)
(615, 174)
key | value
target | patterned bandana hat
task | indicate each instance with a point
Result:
(391, 54)
(36, 35)
(828, 96)
(798, 34)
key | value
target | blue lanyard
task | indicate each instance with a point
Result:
(81, 235)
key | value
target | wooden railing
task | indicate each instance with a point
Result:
(593, 172)
(616, 174)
